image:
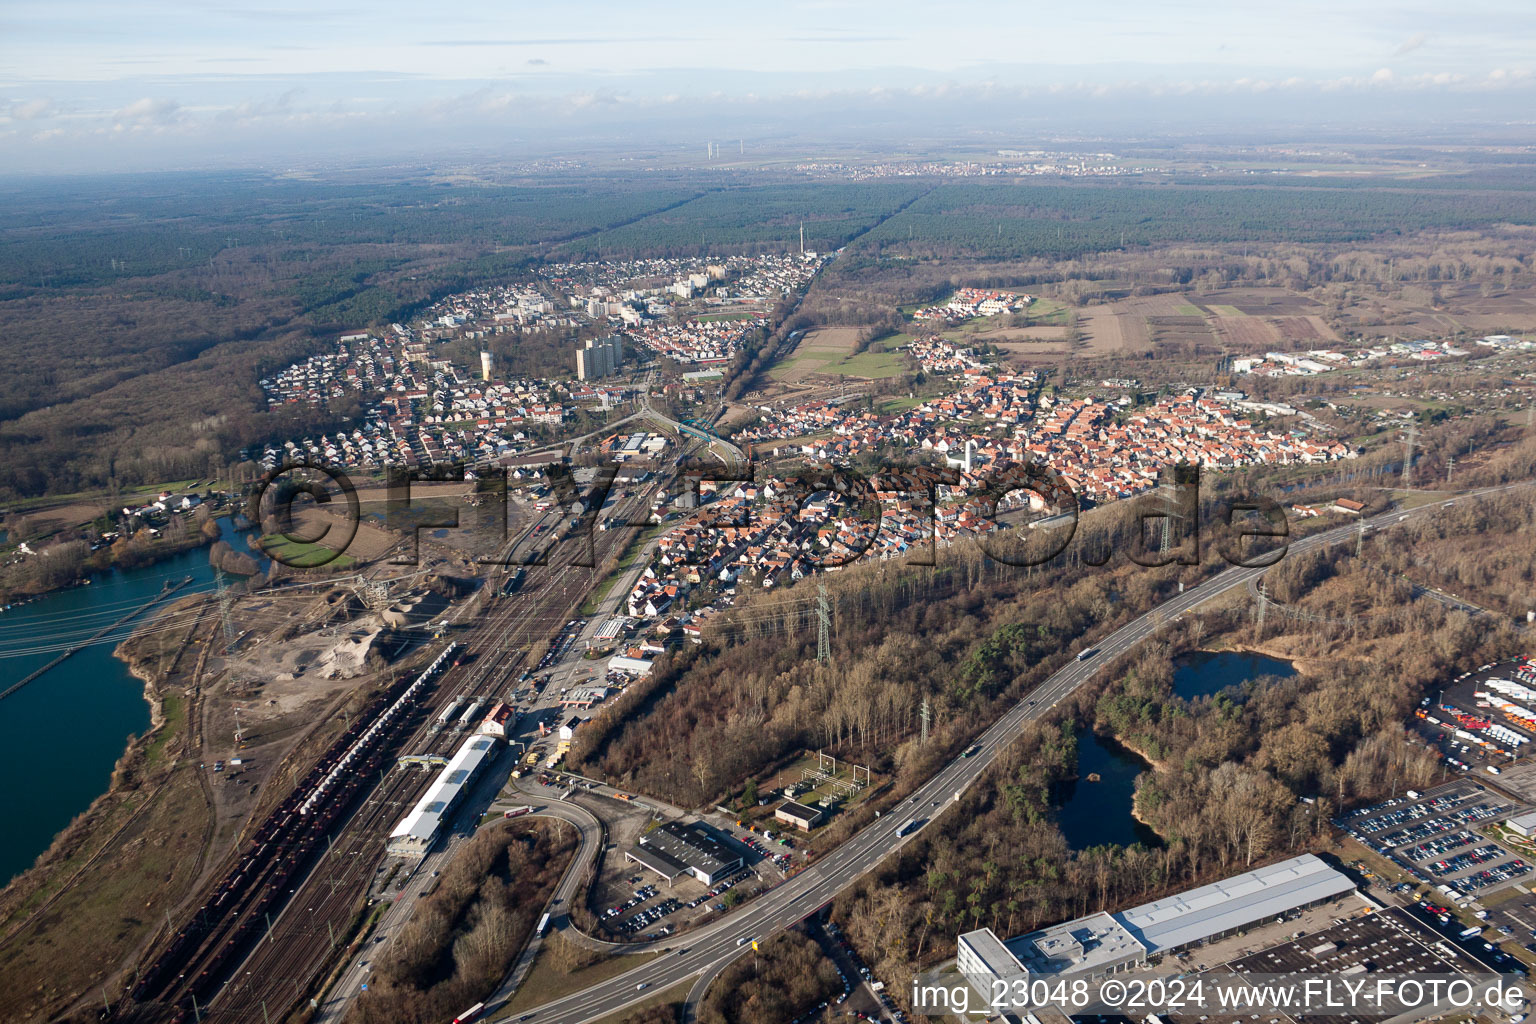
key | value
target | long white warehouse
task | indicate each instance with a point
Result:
(1101, 944)
(415, 834)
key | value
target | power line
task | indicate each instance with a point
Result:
(227, 626)
(823, 625)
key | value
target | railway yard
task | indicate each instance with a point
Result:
(292, 896)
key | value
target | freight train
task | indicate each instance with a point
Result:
(280, 849)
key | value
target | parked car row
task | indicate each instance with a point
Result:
(1436, 847)
(1462, 861)
(640, 896)
(1420, 831)
(865, 976)
(1483, 879)
(1418, 809)
(562, 643)
(721, 887)
(651, 915)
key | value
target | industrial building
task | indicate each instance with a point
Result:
(1102, 944)
(1385, 942)
(802, 817)
(501, 720)
(414, 836)
(1523, 824)
(672, 850)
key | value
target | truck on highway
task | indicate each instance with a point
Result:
(543, 925)
(909, 826)
(473, 1013)
(517, 812)
(1085, 654)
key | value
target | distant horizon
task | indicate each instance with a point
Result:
(171, 85)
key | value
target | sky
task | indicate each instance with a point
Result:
(161, 84)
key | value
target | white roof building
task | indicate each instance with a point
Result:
(417, 830)
(1233, 903)
(1103, 943)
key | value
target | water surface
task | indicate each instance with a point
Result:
(1207, 673)
(61, 734)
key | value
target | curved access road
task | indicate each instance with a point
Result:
(704, 951)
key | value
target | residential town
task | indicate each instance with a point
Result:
(1104, 450)
(421, 408)
(971, 303)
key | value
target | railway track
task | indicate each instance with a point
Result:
(298, 888)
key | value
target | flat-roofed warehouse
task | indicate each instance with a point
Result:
(1235, 903)
(1102, 944)
(418, 829)
(1523, 824)
(673, 849)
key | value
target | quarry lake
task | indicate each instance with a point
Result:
(64, 731)
(1099, 813)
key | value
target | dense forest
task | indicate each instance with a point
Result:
(764, 218)
(462, 939)
(1059, 221)
(786, 977)
(1485, 552)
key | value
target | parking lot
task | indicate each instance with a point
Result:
(1436, 837)
(1515, 920)
(1484, 718)
(635, 907)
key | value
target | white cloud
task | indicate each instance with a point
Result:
(32, 110)
(149, 110)
(1413, 42)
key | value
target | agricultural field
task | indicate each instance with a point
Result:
(1110, 332)
(1246, 332)
(829, 352)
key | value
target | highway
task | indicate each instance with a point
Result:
(704, 951)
